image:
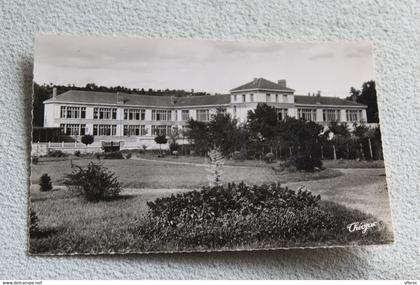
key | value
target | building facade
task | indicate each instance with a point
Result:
(137, 119)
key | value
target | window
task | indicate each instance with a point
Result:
(161, 130)
(353, 115)
(83, 112)
(234, 111)
(277, 98)
(185, 115)
(82, 129)
(307, 114)
(203, 115)
(73, 129)
(176, 115)
(268, 96)
(252, 97)
(63, 112)
(104, 130)
(281, 114)
(331, 115)
(105, 113)
(234, 98)
(284, 98)
(134, 130)
(134, 114)
(63, 129)
(161, 115)
(72, 112)
(244, 98)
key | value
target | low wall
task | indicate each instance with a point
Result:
(39, 149)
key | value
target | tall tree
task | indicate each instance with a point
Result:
(225, 133)
(367, 96)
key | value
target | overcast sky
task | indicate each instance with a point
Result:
(211, 66)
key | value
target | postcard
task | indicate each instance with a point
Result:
(165, 146)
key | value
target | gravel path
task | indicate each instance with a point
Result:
(363, 189)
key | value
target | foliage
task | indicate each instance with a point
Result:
(367, 96)
(242, 215)
(225, 133)
(113, 155)
(306, 163)
(262, 123)
(45, 183)
(95, 182)
(269, 157)
(35, 159)
(77, 153)
(198, 134)
(87, 139)
(33, 223)
(57, 153)
(215, 168)
(161, 140)
(173, 146)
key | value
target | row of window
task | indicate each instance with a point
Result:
(73, 112)
(111, 130)
(268, 98)
(73, 129)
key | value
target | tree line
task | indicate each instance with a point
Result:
(264, 134)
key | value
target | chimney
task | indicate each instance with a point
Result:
(282, 83)
(54, 95)
(318, 97)
(120, 98)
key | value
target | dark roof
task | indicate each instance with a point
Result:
(333, 101)
(202, 100)
(77, 96)
(262, 84)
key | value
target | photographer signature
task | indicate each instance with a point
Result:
(361, 226)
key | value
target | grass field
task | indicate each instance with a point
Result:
(134, 173)
(70, 224)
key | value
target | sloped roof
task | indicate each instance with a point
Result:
(77, 96)
(262, 84)
(322, 100)
(202, 100)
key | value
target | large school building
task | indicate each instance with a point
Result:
(136, 119)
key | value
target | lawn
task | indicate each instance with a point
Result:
(69, 224)
(158, 174)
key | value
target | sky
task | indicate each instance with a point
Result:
(202, 65)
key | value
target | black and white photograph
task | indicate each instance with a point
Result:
(164, 146)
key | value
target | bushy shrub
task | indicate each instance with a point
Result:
(87, 139)
(35, 159)
(269, 157)
(128, 155)
(304, 163)
(33, 223)
(237, 155)
(307, 163)
(242, 215)
(173, 146)
(77, 153)
(109, 155)
(57, 153)
(45, 182)
(95, 182)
